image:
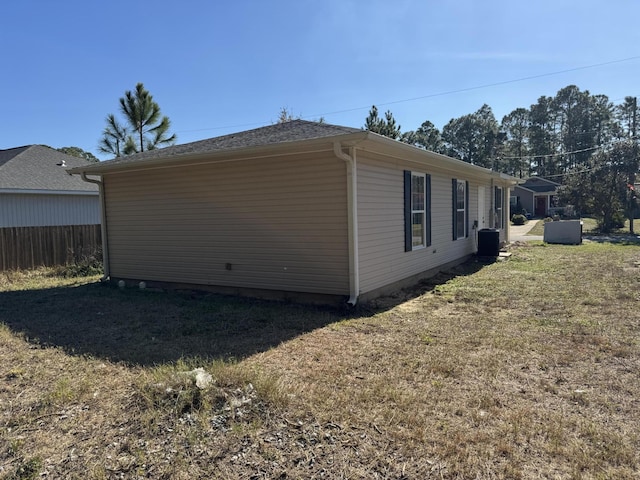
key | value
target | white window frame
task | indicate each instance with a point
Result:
(423, 211)
(499, 209)
(462, 210)
(412, 209)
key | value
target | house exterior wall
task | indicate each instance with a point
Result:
(382, 257)
(275, 224)
(525, 197)
(43, 210)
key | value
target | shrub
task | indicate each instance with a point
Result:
(618, 220)
(87, 266)
(611, 223)
(518, 219)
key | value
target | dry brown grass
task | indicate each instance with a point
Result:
(520, 369)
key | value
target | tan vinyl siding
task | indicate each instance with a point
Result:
(278, 224)
(382, 258)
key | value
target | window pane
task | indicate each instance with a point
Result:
(417, 229)
(417, 201)
(417, 183)
(460, 196)
(460, 224)
(498, 204)
(417, 192)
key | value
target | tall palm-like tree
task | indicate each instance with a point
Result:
(145, 128)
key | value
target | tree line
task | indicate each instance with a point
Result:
(583, 141)
(550, 138)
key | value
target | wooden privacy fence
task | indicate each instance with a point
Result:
(32, 247)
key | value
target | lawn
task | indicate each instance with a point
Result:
(589, 226)
(526, 368)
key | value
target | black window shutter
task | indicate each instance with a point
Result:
(407, 212)
(466, 207)
(455, 207)
(428, 209)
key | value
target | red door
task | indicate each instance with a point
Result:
(541, 206)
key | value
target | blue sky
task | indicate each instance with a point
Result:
(220, 67)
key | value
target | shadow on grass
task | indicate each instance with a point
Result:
(617, 238)
(148, 328)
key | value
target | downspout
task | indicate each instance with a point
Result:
(103, 225)
(352, 220)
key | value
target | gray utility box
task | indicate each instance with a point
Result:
(567, 232)
(488, 242)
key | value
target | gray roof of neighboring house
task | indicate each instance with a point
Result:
(36, 167)
(539, 185)
(293, 131)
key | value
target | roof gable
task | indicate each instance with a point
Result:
(539, 185)
(36, 167)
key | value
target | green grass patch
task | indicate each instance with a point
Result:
(538, 228)
(589, 226)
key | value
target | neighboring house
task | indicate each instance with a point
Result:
(537, 196)
(36, 190)
(298, 209)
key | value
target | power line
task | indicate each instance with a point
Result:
(432, 95)
(554, 154)
(572, 173)
(495, 84)
(548, 155)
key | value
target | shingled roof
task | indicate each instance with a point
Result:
(36, 167)
(293, 136)
(293, 131)
(540, 185)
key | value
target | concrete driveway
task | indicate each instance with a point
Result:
(518, 233)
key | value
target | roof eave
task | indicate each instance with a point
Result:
(428, 157)
(363, 139)
(213, 156)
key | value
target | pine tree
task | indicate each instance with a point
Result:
(386, 126)
(144, 129)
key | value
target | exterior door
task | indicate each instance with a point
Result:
(541, 206)
(482, 222)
